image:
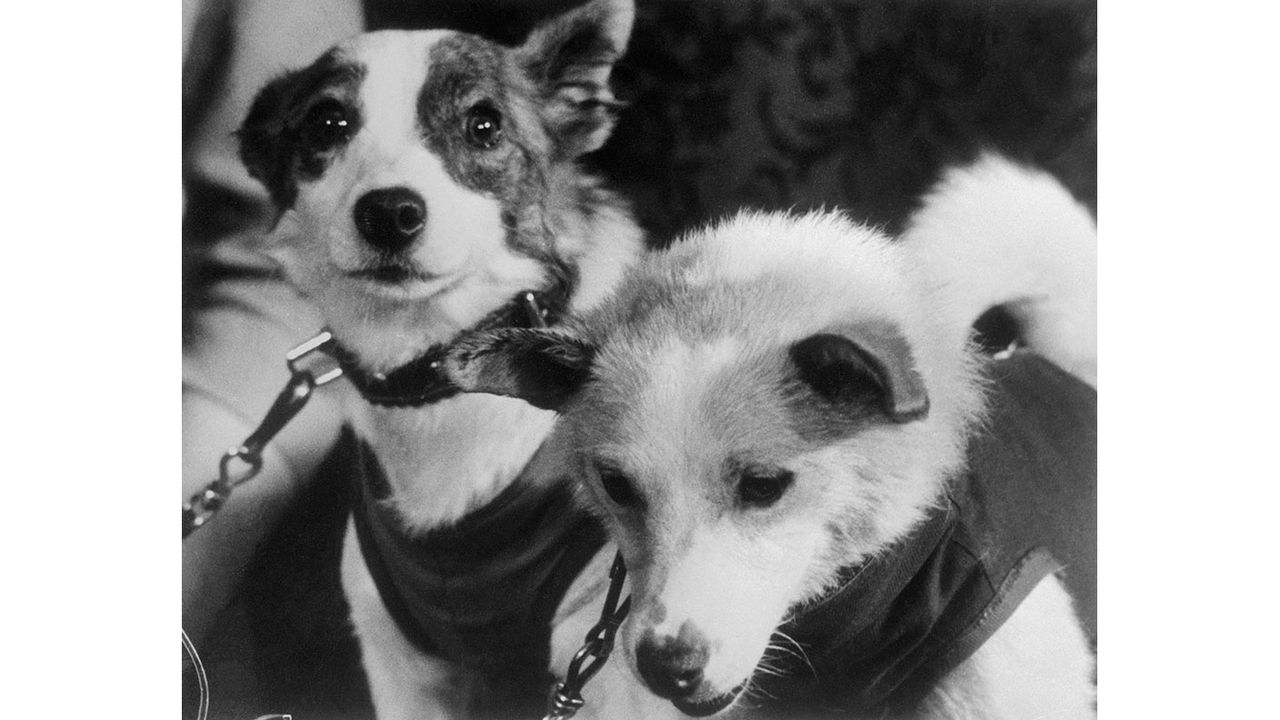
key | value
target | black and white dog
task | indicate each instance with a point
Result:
(428, 183)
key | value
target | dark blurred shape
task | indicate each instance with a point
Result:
(507, 21)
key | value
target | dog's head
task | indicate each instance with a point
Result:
(422, 178)
(744, 432)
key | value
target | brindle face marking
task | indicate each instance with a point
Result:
(423, 178)
(473, 83)
(283, 138)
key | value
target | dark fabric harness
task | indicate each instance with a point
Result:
(1024, 508)
(482, 592)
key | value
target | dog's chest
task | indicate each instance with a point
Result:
(481, 591)
(443, 460)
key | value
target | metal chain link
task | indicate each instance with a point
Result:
(566, 697)
(302, 381)
(297, 391)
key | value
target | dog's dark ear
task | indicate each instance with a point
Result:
(860, 365)
(542, 367)
(569, 58)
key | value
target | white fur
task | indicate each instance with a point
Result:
(821, 271)
(431, 458)
(1037, 666)
(762, 569)
(736, 579)
(603, 268)
(996, 233)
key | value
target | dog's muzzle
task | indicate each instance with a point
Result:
(673, 668)
(390, 219)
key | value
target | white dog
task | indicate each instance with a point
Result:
(780, 420)
(427, 183)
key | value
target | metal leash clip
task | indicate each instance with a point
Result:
(297, 391)
(566, 697)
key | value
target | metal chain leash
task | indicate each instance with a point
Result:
(202, 506)
(297, 391)
(566, 696)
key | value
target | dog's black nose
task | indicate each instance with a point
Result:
(389, 219)
(672, 666)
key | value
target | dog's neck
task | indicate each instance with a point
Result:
(449, 457)
(422, 430)
(426, 435)
(421, 381)
(445, 459)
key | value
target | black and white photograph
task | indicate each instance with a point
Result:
(639, 359)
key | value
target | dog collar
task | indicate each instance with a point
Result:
(420, 381)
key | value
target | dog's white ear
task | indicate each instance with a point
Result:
(569, 58)
(857, 365)
(542, 367)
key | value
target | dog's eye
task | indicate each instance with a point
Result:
(483, 127)
(619, 487)
(326, 125)
(760, 488)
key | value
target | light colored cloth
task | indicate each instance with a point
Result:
(242, 318)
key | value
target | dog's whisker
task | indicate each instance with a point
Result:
(768, 668)
(752, 691)
(799, 651)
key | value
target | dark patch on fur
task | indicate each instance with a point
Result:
(838, 386)
(534, 183)
(271, 146)
(467, 71)
(816, 420)
(518, 171)
(686, 311)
